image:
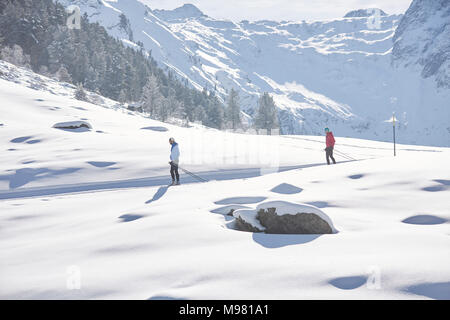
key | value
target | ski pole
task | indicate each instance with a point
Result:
(344, 155)
(193, 175)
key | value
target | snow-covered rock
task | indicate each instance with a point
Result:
(72, 125)
(282, 217)
(247, 220)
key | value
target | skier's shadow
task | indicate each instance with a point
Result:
(159, 194)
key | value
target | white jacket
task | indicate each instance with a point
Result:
(175, 153)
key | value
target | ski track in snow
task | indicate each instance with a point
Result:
(228, 174)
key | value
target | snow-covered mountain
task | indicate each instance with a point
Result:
(422, 40)
(344, 73)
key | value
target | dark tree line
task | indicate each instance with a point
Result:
(100, 63)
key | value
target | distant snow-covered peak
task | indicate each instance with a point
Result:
(364, 13)
(187, 11)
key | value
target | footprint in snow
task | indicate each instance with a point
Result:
(101, 164)
(33, 141)
(356, 176)
(348, 283)
(21, 139)
(437, 290)
(286, 188)
(80, 108)
(424, 220)
(442, 186)
(28, 161)
(130, 217)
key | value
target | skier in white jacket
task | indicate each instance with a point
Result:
(174, 161)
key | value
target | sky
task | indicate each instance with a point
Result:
(238, 10)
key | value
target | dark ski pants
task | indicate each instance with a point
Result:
(174, 171)
(329, 154)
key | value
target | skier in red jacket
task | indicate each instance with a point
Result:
(330, 145)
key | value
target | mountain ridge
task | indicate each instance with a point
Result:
(337, 73)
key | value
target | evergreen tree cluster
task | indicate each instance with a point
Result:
(87, 55)
(35, 34)
(266, 114)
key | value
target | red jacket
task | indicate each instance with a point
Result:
(330, 139)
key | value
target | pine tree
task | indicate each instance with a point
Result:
(80, 94)
(233, 110)
(63, 75)
(174, 106)
(15, 56)
(151, 97)
(188, 107)
(163, 110)
(214, 114)
(122, 97)
(124, 24)
(266, 115)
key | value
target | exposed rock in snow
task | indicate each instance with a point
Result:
(364, 13)
(422, 40)
(73, 125)
(281, 217)
(247, 220)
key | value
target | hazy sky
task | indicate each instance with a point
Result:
(238, 10)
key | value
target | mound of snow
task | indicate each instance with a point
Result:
(281, 217)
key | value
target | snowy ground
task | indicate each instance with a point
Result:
(91, 208)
